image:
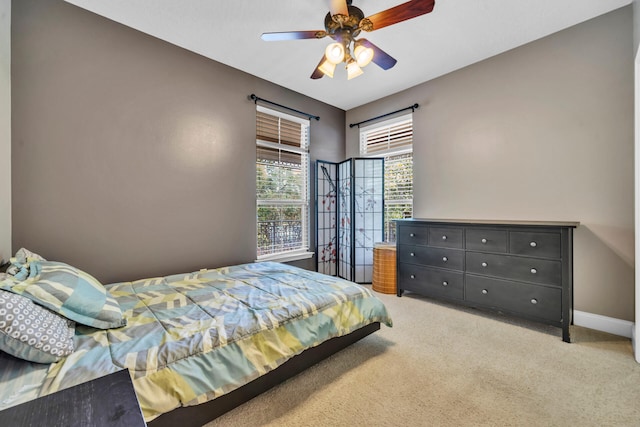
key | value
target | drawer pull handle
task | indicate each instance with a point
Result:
(483, 241)
(484, 264)
(484, 292)
(412, 235)
(534, 301)
(444, 237)
(445, 283)
(445, 259)
(413, 276)
(534, 271)
(533, 244)
(412, 254)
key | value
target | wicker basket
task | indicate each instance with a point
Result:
(384, 268)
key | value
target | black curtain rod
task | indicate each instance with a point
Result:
(256, 99)
(412, 108)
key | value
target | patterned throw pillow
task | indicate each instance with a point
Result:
(70, 292)
(31, 332)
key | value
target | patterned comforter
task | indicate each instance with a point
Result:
(193, 337)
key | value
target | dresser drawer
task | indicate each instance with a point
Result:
(431, 281)
(478, 239)
(533, 270)
(545, 245)
(522, 298)
(435, 257)
(445, 237)
(413, 235)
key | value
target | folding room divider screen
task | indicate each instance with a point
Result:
(349, 216)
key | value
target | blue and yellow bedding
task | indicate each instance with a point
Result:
(192, 337)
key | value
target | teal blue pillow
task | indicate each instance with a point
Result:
(70, 292)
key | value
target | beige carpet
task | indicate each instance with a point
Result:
(443, 365)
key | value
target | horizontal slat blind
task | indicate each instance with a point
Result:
(275, 129)
(282, 182)
(384, 139)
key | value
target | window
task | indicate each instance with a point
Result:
(282, 185)
(393, 140)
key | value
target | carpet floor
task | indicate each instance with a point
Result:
(444, 365)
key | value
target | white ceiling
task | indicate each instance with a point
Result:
(456, 34)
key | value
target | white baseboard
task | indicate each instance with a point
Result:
(634, 344)
(623, 328)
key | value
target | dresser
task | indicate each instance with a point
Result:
(520, 268)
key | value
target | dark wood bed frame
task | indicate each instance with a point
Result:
(199, 415)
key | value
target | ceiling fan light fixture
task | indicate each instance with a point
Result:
(353, 70)
(327, 68)
(343, 24)
(334, 53)
(363, 54)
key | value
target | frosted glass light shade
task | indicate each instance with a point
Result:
(364, 55)
(353, 70)
(334, 53)
(327, 68)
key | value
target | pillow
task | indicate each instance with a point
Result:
(31, 332)
(20, 263)
(69, 292)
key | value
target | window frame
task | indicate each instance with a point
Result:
(390, 151)
(302, 251)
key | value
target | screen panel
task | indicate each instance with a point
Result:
(326, 217)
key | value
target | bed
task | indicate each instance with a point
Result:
(199, 344)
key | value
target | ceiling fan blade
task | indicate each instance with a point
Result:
(293, 35)
(402, 12)
(339, 7)
(381, 58)
(317, 74)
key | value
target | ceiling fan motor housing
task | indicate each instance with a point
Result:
(337, 25)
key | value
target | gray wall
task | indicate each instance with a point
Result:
(636, 42)
(542, 132)
(133, 157)
(636, 25)
(5, 129)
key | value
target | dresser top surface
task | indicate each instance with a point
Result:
(572, 224)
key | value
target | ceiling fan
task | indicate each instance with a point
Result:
(343, 24)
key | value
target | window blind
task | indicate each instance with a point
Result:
(279, 130)
(389, 137)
